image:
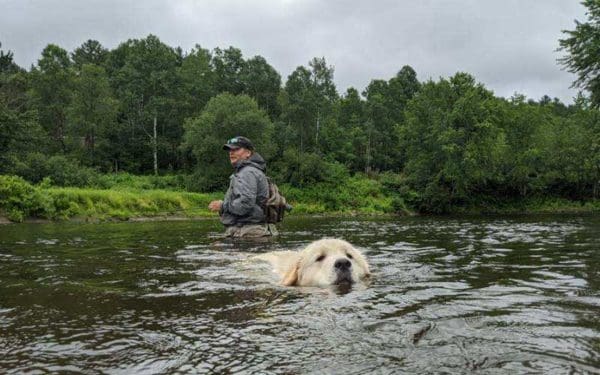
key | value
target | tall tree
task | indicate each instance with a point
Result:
(308, 103)
(224, 117)
(454, 144)
(262, 82)
(382, 146)
(526, 127)
(326, 95)
(386, 103)
(90, 52)
(582, 46)
(228, 65)
(351, 148)
(401, 88)
(13, 82)
(7, 63)
(20, 132)
(145, 81)
(92, 115)
(51, 84)
(198, 81)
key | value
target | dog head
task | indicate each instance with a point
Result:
(327, 262)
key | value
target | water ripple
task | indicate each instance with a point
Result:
(448, 295)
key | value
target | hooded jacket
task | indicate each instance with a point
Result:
(247, 192)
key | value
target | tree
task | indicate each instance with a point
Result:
(225, 117)
(526, 127)
(453, 143)
(401, 88)
(385, 105)
(7, 64)
(308, 103)
(198, 81)
(20, 132)
(90, 52)
(582, 46)
(145, 80)
(228, 66)
(13, 83)
(92, 115)
(262, 82)
(572, 155)
(350, 148)
(379, 127)
(51, 85)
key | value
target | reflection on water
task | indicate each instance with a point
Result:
(448, 295)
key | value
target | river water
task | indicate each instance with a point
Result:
(448, 295)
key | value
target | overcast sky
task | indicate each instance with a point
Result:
(508, 45)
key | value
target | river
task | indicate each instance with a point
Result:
(491, 294)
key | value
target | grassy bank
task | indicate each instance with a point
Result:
(20, 200)
(129, 197)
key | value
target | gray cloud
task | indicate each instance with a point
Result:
(509, 46)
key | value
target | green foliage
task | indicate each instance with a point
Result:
(385, 106)
(51, 85)
(262, 82)
(7, 64)
(229, 64)
(224, 117)
(108, 119)
(350, 195)
(19, 199)
(116, 204)
(308, 103)
(582, 45)
(573, 156)
(92, 115)
(305, 169)
(126, 181)
(144, 77)
(90, 53)
(451, 140)
(198, 82)
(61, 170)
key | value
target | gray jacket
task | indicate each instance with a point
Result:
(248, 190)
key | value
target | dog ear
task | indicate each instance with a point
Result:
(290, 278)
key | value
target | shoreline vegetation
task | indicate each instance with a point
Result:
(138, 130)
(133, 198)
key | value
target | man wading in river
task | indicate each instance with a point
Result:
(241, 210)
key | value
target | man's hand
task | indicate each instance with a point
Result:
(215, 206)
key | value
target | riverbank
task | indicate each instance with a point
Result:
(21, 201)
(313, 210)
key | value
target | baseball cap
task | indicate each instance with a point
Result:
(238, 142)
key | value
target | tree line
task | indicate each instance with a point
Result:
(149, 108)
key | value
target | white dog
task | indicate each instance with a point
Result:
(321, 263)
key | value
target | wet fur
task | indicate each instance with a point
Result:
(315, 265)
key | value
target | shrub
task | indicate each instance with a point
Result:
(34, 167)
(66, 172)
(355, 194)
(19, 199)
(306, 169)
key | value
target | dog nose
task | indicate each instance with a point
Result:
(342, 264)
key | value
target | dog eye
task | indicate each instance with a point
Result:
(320, 258)
(349, 256)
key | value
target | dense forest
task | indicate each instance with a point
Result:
(148, 108)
